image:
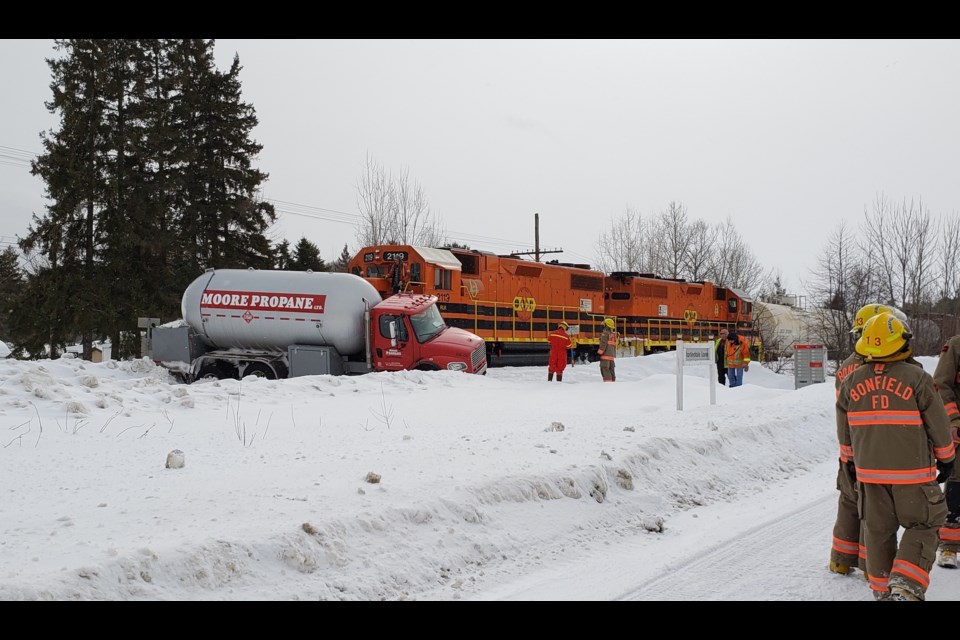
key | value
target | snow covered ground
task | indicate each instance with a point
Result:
(419, 486)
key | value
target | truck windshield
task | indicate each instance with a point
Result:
(427, 323)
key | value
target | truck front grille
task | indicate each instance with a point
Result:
(479, 358)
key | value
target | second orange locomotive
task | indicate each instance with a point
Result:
(513, 303)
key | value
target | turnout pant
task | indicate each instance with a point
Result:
(608, 370)
(847, 547)
(921, 510)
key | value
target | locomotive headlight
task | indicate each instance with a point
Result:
(457, 366)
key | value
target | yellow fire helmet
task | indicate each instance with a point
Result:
(610, 323)
(563, 325)
(867, 311)
(883, 335)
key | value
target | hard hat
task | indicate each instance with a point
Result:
(610, 323)
(866, 312)
(883, 335)
(563, 325)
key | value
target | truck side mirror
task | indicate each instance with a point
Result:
(393, 333)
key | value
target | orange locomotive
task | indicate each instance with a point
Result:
(514, 303)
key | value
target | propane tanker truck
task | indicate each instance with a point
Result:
(281, 324)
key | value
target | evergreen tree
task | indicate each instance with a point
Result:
(342, 262)
(11, 284)
(73, 167)
(149, 179)
(306, 255)
(281, 256)
(221, 185)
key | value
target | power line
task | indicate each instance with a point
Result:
(12, 156)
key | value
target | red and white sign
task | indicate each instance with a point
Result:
(262, 301)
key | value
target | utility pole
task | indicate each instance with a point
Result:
(536, 240)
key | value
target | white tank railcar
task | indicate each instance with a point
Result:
(782, 327)
(270, 310)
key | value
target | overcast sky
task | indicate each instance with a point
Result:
(787, 138)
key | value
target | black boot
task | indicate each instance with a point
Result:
(559, 377)
(952, 491)
(550, 376)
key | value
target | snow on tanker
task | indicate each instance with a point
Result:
(280, 324)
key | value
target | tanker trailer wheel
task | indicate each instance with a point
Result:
(259, 369)
(212, 371)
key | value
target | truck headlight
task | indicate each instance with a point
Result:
(457, 366)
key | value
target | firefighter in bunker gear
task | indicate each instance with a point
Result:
(847, 550)
(560, 343)
(608, 350)
(891, 422)
(946, 377)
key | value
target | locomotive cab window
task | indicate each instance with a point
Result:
(442, 279)
(376, 271)
(385, 321)
(732, 305)
(415, 275)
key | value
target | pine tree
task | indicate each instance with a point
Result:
(220, 189)
(306, 255)
(150, 181)
(67, 237)
(342, 262)
(281, 256)
(11, 284)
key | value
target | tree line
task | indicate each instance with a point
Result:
(901, 254)
(150, 180)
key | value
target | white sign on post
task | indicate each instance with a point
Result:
(695, 354)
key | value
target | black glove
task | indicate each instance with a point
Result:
(945, 469)
(851, 471)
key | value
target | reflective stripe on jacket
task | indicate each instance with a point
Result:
(892, 421)
(945, 376)
(737, 355)
(608, 344)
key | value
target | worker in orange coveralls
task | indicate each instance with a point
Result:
(560, 344)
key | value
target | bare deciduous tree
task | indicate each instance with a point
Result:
(734, 264)
(621, 248)
(374, 199)
(699, 251)
(394, 211)
(840, 286)
(411, 220)
(670, 243)
(948, 288)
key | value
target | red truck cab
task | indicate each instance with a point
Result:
(408, 332)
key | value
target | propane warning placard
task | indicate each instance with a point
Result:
(262, 301)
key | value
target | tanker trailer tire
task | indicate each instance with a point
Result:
(259, 369)
(212, 371)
